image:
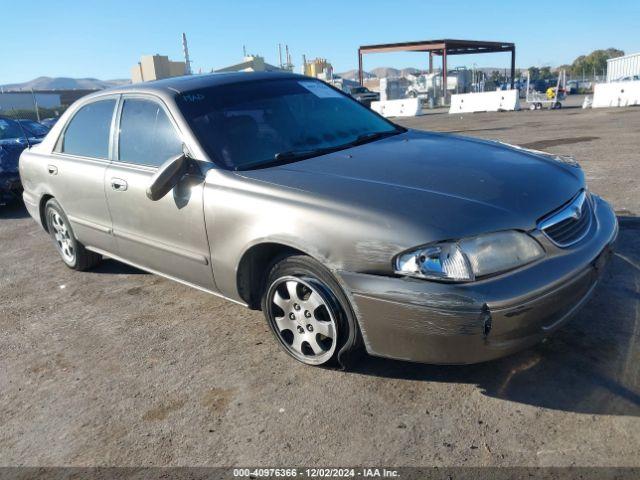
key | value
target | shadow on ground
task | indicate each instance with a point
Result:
(114, 267)
(13, 210)
(590, 366)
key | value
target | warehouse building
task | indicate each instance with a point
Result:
(156, 67)
(623, 68)
(251, 63)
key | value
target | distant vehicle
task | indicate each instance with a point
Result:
(49, 122)
(540, 85)
(12, 142)
(424, 85)
(633, 78)
(572, 87)
(364, 95)
(33, 128)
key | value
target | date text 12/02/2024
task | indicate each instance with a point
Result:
(315, 472)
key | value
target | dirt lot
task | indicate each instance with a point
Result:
(119, 367)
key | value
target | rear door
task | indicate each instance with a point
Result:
(166, 236)
(76, 170)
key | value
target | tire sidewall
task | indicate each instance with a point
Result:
(307, 268)
(51, 206)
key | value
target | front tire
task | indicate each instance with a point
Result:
(309, 314)
(73, 253)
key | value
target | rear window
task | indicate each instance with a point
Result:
(9, 129)
(87, 135)
(34, 128)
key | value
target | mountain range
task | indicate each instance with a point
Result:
(64, 83)
(67, 83)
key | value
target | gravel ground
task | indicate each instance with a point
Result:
(120, 367)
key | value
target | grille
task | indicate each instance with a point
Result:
(571, 224)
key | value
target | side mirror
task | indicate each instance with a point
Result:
(167, 177)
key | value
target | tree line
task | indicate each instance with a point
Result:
(585, 66)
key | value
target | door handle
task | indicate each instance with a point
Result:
(52, 169)
(119, 184)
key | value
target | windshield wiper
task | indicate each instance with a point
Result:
(302, 154)
(281, 158)
(291, 156)
(372, 136)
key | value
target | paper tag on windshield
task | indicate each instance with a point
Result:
(320, 90)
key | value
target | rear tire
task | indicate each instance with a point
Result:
(309, 313)
(73, 253)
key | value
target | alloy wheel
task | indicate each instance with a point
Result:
(303, 319)
(62, 237)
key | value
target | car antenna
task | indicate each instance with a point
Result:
(24, 132)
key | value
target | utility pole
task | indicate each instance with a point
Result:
(185, 49)
(288, 57)
(35, 105)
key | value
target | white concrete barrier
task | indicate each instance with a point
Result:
(404, 107)
(485, 101)
(616, 94)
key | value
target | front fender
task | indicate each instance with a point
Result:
(241, 213)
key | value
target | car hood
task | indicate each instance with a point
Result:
(457, 185)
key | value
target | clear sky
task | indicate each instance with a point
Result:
(103, 39)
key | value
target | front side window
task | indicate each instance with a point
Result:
(255, 124)
(147, 136)
(88, 132)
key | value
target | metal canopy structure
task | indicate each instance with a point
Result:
(444, 48)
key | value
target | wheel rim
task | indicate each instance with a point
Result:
(62, 236)
(303, 319)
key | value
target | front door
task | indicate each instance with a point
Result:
(166, 236)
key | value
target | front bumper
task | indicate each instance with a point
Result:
(441, 323)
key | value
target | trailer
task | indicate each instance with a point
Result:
(551, 98)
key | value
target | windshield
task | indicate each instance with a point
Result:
(256, 124)
(34, 128)
(9, 129)
(360, 90)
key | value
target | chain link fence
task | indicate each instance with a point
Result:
(31, 106)
(39, 106)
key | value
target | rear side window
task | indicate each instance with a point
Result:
(88, 132)
(147, 136)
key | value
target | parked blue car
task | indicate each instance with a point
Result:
(14, 138)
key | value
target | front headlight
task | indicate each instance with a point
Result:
(470, 258)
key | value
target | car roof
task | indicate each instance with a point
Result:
(187, 83)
